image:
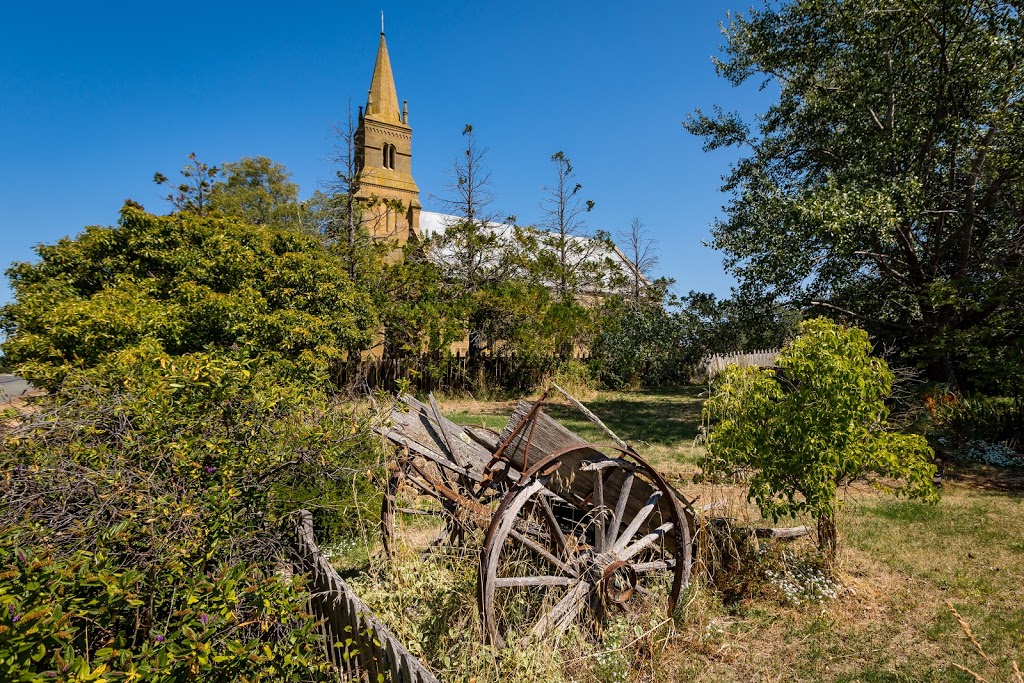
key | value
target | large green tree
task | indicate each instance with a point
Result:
(189, 282)
(886, 183)
(259, 191)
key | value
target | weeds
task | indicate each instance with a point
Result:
(1017, 676)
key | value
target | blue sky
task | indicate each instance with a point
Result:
(95, 97)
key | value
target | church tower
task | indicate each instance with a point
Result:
(384, 158)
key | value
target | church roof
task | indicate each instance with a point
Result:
(433, 225)
(382, 103)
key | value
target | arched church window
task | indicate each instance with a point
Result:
(384, 155)
(391, 157)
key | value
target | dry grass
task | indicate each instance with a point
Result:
(899, 564)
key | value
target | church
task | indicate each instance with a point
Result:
(384, 157)
(383, 143)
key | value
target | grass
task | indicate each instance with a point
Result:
(899, 563)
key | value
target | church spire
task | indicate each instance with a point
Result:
(382, 103)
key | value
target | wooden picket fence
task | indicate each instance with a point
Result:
(356, 641)
(755, 359)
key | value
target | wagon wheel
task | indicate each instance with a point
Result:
(579, 533)
(413, 481)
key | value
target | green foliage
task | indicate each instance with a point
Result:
(977, 417)
(884, 184)
(86, 618)
(192, 195)
(142, 513)
(709, 325)
(188, 283)
(817, 422)
(642, 344)
(257, 191)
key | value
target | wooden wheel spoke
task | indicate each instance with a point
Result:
(645, 542)
(655, 566)
(537, 548)
(620, 507)
(563, 612)
(546, 580)
(554, 526)
(598, 498)
(634, 526)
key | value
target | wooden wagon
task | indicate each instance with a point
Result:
(569, 527)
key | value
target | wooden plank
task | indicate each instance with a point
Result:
(484, 437)
(399, 439)
(421, 426)
(784, 533)
(520, 581)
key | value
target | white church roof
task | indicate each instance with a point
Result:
(433, 224)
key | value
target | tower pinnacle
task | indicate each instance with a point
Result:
(382, 103)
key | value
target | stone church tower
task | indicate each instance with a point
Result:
(384, 159)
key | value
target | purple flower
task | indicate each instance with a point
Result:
(203, 618)
(16, 618)
(10, 609)
(22, 556)
(159, 638)
(209, 469)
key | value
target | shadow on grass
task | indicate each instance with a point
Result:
(665, 417)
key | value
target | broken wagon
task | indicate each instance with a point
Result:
(569, 527)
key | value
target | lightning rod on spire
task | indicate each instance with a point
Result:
(382, 21)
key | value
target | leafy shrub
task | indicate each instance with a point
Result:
(817, 422)
(977, 418)
(190, 282)
(85, 617)
(142, 512)
(641, 345)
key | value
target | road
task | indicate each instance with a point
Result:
(11, 386)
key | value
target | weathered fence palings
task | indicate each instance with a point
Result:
(356, 641)
(714, 365)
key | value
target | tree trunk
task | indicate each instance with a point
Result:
(828, 538)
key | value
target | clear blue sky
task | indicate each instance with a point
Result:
(95, 97)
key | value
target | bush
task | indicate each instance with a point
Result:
(191, 283)
(977, 418)
(142, 512)
(641, 345)
(817, 422)
(84, 616)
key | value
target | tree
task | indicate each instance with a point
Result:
(258, 191)
(816, 423)
(473, 250)
(565, 247)
(744, 322)
(193, 193)
(642, 343)
(886, 184)
(642, 253)
(190, 283)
